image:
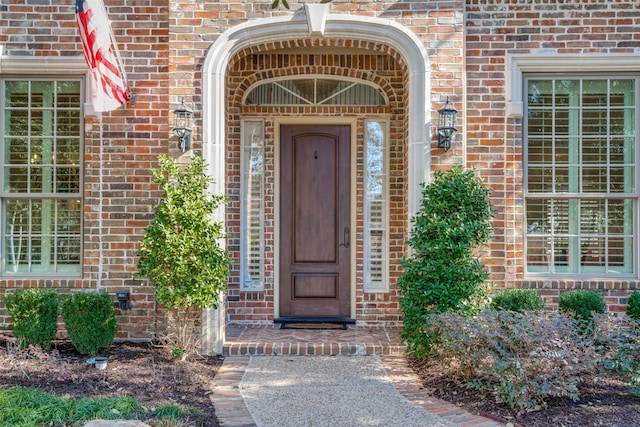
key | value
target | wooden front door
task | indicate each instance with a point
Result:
(314, 221)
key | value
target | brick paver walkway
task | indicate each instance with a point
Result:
(243, 341)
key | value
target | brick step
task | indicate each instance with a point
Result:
(311, 349)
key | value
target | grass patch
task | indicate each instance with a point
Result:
(22, 407)
(174, 412)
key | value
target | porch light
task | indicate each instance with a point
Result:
(182, 119)
(446, 125)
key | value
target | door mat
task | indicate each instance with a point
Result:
(294, 325)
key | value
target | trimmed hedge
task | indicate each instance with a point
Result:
(34, 313)
(90, 319)
(582, 303)
(517, 300)
(633, 305)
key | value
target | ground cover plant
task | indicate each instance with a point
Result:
(141, 381)
(537, 369)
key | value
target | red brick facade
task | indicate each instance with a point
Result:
(164, 48)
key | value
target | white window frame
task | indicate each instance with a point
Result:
(573, 66)
(381, 286)
(247, 282)
(47, 69)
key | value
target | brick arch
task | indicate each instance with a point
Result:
(280, 61)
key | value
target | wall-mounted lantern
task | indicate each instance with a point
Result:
(446, 125)
(123, 300)
(182, 119)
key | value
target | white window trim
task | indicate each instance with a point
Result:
(33, 73)
(244, 250)
(601, 64)
(517, 65)
(384, 286)
(49, 65)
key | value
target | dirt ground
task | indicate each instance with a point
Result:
(148, 374)
(142, 371)
(606, 403)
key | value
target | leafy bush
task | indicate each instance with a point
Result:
(618, 339)
(633, 305)
(442, 274)
(181, 253)
(90, 320)
(581, 303)
(34, 313)
(519, 358)
(517, 300)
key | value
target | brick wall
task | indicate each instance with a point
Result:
(164, 45)
(120, 148)
(494, 141)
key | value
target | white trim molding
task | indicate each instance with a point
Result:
(41, 64)
(517, 65)
(47, 65)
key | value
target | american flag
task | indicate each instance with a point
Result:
(108, 81)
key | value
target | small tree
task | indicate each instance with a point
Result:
(181, 253)
(442, 274)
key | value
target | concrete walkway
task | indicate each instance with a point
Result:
(352, 391)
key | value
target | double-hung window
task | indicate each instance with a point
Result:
(41, 181)
(581, 186)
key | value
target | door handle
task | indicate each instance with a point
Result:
(346, 237)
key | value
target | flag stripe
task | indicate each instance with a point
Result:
(108, 82)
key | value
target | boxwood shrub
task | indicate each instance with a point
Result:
(582, 303)
(34, 314)
(90, 319)
(633, 305)
(517, 300)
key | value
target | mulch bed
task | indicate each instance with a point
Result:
(140, 370)
(604, 402)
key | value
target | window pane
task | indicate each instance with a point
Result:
(252, 206)
(375, 213)
(572, 233)
(42, 234)
(314, 91)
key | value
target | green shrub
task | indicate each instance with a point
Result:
(442, 274)
(633, 305)
(520, 359)
(181, 254)
(581, 303)
(517, 300)
(34, 314)
(90, 319)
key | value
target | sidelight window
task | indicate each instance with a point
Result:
(376, 262)
(252, 206)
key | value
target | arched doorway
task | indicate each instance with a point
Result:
(344, 38)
